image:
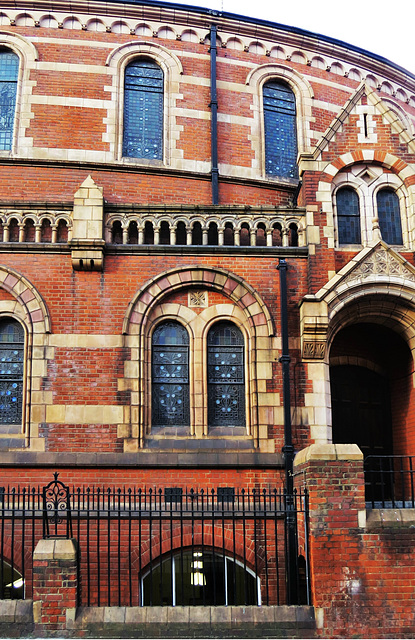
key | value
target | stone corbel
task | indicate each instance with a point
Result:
(87, 255)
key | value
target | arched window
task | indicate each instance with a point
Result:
(226, 378)
(9, 68)
(348, 216)
(389, 215)
(170, 375)
(143, 110)
(11, 371)
(199, 577)
(280, 130)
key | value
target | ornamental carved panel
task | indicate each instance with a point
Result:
(198, 298)
(314, 350)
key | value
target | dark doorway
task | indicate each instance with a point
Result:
(361, 409)
(371, 374)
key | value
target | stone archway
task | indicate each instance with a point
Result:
(197, 298)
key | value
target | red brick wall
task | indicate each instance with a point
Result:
(362, 578)
(196, 478)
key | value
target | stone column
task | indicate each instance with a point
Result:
(55, 587)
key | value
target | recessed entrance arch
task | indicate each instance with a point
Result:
(371, 377)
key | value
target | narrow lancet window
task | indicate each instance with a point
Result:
(226, 378)
(143, 110)
(9, 68)
(389, 215)
(11, 371)
(280, 130)
(348, 216)
(170, 375)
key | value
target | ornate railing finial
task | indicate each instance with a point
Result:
(57, 520)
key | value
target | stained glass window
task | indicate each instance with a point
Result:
(11, 371)
(280, 130)
(348, 216)
(143, 110)
(9, 68)
(170, 375)
(226, 379)
(389, 215)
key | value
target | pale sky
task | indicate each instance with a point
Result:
(384, 28)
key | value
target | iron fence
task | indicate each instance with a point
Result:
(170, 546)
(390, 482)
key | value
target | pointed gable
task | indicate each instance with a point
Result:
(373, 265)
(367, 122)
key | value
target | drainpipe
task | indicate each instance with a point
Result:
(214, 116)
(288, 449)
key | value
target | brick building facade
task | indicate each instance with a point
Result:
(157, 163)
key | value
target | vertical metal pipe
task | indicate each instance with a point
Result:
(98, 544)
(109, 545)
(288, 449)
(214, 116)
(285, 360)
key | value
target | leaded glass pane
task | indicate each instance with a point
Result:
(143, 110)
(9, 67)
(11, 371)
(348, 216)
(170, 375)
(389, 215)
(226, 383)
(280, 130)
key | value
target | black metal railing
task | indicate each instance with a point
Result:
(166, 546)
(390, 482)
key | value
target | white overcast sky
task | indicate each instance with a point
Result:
(384, 27)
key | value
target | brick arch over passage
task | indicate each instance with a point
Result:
(221, 280)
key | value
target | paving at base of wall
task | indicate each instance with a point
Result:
(16, 620)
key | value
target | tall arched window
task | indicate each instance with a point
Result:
(11, 371)
(280, 130)
(143, 110)
(170, 375)
(226, 377)
(348, 216)
(9, 68)
(389, 215)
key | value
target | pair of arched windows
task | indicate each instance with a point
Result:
(225, 375)
(349, 219)
(143, 119)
